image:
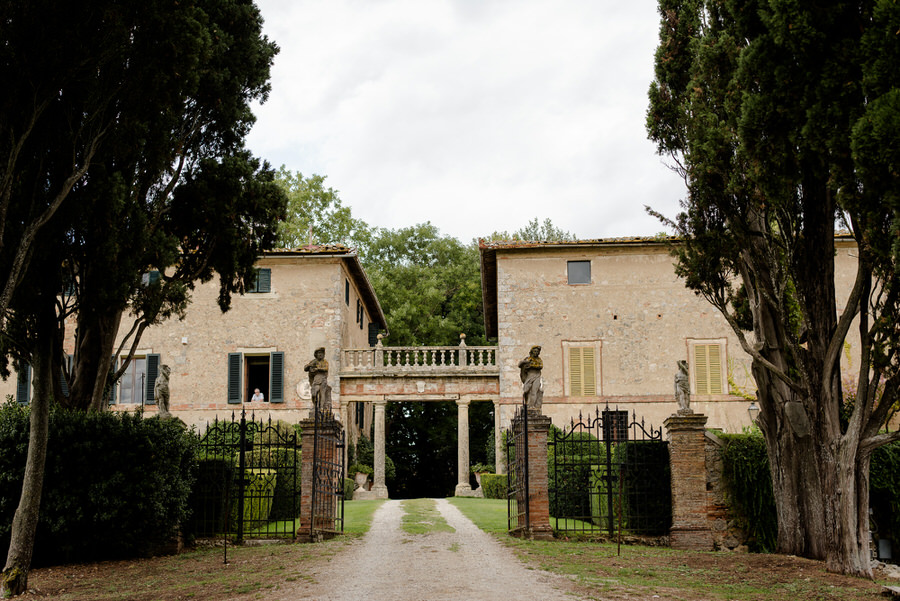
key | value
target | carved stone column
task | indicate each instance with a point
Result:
(379, 489)
(687, 456)
(463, 488)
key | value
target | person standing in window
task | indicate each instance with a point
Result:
(257, 396)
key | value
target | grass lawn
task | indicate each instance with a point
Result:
(488, 514)
(644, 572)
(422, 517)
(358, 515)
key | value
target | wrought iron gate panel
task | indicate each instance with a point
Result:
(609, 473)
(248, 481)
(327, 499)
(517, 510)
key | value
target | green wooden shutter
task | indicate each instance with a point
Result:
(263, 281)
(154, 277)
(150, 382)
(23, 385)
(235, 365)
(111, 396)
(276, 378)
(63, 383)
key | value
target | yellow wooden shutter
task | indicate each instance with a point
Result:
(582, 371)
(708, 368)
(576, 380)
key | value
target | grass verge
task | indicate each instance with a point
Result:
(422, 517)
(488, 514)
(358, 515)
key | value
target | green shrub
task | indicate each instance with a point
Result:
(287, 461)
(748, 488)
(349, 487)
(360, 468)
(116, 485)
(259, 492)
(494, 486)
(210, 498)
(884, 491)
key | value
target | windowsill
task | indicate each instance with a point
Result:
(260, 295)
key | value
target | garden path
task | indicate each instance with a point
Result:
(388, 564)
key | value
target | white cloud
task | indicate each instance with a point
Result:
(476, 116)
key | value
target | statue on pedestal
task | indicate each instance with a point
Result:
(530, 373)
(161, 392)
(318, 381)
(683, 388)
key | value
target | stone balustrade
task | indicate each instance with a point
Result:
(424, 360)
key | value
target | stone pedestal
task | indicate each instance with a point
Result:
(324, 526)
(686, 433)
(538, 526)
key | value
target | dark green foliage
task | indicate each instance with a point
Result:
(349, 487)
(286, 462)
(429, 286)
(259, 493)
(116, 485)
(422, 439)
(365, 455)
(210, 499)
(494, 486)
(647, 487)
(884, 492)
(748, 486)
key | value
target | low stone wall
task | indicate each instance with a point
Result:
(727, 536)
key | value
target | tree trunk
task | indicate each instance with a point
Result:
(14, 580)
(93, 357)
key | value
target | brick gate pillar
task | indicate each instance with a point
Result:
(538, 480)
(331, 429)
(686, 433)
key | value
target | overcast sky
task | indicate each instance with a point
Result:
(475, 115)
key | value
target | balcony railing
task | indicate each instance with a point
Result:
(423, 360)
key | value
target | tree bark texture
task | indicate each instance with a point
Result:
(93, 359)
(14, 580)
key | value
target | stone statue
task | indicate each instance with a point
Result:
(530, 373)
(161, 392)
(318, 381)
(683, 388)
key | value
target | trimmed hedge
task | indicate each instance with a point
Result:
(286, 504)
(494, 486)
(258, 497)
(748, 489)
(349, 487)
(116, 485)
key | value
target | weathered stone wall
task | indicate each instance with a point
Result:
(638, 314)
(727, 536)
(305, 309)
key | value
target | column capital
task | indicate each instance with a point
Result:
(463, 402)
(380, 403)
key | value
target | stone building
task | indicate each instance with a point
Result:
(613, 319)
(303, 299)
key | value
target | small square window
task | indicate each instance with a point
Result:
(579, 272)
(262, 283)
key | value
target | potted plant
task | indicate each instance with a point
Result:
(361, 474)
(481, 468)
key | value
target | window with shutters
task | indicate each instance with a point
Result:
(707, 362)
(135, 387)
(254, 369)
(581, 366)
(262, 283)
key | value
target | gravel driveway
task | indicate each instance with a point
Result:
(391, 565)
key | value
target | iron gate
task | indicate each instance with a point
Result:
(248, 480)
(610, 473)
(327, 498)
(517, 510)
